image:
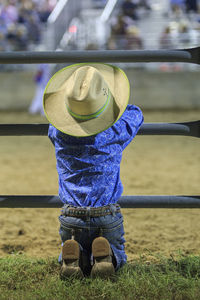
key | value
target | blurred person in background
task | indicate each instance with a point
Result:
(187, 35)
(41, 78)
(130, 9)
(124, 35)
(177, 8)
(117, 38)
(33, 29)
(134, 40)
(3, 25)
(11, 37)
(44, 8)
(191, 6)
(145, 3)
(21, 38)
(9, 12)
(167, 38)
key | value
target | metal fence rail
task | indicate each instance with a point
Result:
(186, 129)
(53, 201)
(181, 55)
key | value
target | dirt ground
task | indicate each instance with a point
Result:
(151, 165)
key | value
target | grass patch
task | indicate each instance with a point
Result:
(28, 278)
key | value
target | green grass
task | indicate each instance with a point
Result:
(28, 278)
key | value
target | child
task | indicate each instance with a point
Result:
(92, 123)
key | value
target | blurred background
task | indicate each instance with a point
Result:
(39, 25)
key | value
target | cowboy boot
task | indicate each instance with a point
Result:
(102, 253)
(70, 260)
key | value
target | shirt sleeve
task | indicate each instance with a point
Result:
(131, 121)
(51, 134)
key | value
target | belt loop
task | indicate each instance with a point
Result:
(113, 209)
(64, 210)
(100, 232)
(73, 234)
(88, 213)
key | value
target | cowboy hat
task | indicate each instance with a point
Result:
(85, 99)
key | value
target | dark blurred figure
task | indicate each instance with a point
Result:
(92, 46)
(118, 39)
(33, 29)
(145, 4)
(130, 9)
(16, 38)
(11, 36)
(124, 35)
(44, 11)
(191, 5)
(21, 38)
(29, 17)
(120, 27)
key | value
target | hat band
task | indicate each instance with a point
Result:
(91, 116)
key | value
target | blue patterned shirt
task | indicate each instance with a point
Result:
(89, 167)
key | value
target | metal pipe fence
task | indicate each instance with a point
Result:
(181, 55)
(186, 129)
(53, 201)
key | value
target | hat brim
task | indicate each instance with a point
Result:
(58, 115)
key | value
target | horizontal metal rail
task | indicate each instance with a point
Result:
(191, 55)
(186, 129)
(53, 201)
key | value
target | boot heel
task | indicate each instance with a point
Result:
(70, 250)
(100, 247)
(102, 253)
(71, 256)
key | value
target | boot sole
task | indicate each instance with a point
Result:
(70, 250)
(101, 247)
(71, 256)
(103, 266)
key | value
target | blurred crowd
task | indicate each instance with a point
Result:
(125, 33)
(180, 34)
(21, 23)
(184, 27)
(182, 30)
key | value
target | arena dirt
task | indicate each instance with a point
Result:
(151, 165)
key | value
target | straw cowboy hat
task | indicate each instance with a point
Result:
(85, 99)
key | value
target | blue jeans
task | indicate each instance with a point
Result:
(85, 230)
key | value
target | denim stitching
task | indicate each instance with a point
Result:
(90, 228)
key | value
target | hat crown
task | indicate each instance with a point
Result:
(86, 91)
(86, 101)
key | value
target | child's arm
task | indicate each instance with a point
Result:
(129, 125)
(133, 119)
